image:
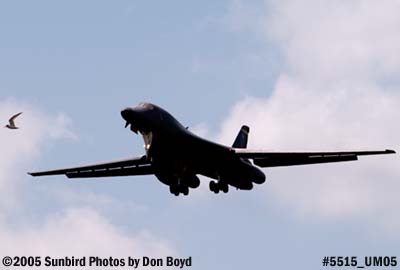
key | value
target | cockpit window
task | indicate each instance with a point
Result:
(146, 106)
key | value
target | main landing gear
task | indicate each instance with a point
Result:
(177, 189)
(216, 187)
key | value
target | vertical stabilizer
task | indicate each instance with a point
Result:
(241, 138)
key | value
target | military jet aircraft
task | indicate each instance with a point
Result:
(176, 156)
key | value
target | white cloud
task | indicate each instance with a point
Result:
(76, 227)
(23, 145)
(108, 204)
(337, 91)
(78, 233)
(200, 129)
(289, 121)
(338, 40)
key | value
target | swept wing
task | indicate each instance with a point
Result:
(131, 166)
(275, 159)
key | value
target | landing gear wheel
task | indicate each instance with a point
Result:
(214, 187)
(223, 187)
(184, 190)
(174, 190)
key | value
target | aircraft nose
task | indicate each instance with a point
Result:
(125, 113)
(132, 118)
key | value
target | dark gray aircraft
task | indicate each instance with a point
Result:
(176, 156)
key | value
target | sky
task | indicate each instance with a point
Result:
(304, 75)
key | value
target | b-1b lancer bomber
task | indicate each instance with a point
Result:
(176, 156)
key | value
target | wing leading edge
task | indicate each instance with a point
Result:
(132, 166)
(275, 159)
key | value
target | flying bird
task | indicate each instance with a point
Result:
(11, 124)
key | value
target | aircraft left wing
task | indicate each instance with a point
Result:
(275, 159)
(125, 167)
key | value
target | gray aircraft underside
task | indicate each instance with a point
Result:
(176, 156)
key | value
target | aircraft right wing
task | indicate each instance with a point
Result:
(275, 159)
(132, 166)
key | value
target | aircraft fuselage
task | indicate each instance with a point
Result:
(177, 155)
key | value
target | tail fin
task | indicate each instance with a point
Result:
(241, 138)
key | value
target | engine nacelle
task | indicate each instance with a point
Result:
(257, 176)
